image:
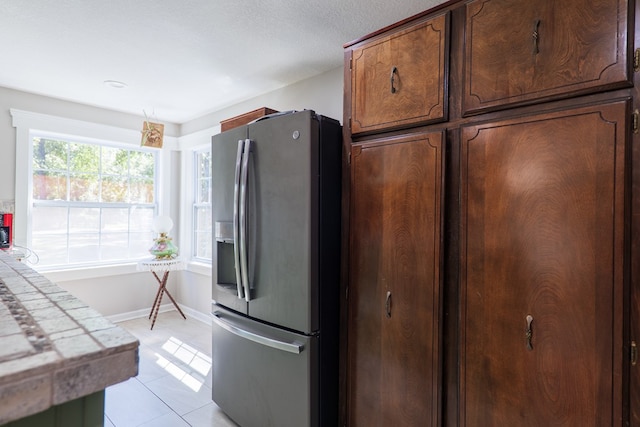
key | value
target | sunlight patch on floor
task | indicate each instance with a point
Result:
(196, 360)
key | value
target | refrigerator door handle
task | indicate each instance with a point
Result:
(244, 238)
(257, 338)
(236, 218)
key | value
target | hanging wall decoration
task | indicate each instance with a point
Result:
(152, 133)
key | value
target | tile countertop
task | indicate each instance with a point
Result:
(53, 347)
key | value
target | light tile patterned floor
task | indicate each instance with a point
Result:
(173, 386)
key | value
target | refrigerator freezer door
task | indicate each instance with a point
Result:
(285, 244)
(263, 376)
(227, 289)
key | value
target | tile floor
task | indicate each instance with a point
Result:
(173, 386)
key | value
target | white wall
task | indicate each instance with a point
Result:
(322, 93)
(131, 292)
(122, 296)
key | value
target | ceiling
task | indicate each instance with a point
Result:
(179, 59)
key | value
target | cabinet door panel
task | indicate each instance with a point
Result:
(518, 51)
(395, 249)
(399, 79)
(543, 236)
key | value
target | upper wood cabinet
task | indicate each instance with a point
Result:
(400, 79)
(517, 51)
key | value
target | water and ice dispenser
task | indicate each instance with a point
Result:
(226, 274)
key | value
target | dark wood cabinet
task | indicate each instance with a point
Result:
(542, 270)
(394, 292)
(396, 81)
(519, 51)
(400, 79)
(495, 211)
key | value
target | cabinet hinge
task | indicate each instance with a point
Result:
(351, 62)
(635, 120)
(636, 60)
(349, 158)
(634, 353)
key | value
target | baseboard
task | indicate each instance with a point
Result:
(137, 314)
(197, 315)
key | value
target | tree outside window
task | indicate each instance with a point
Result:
(92, 203)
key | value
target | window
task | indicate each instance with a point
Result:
(92, 202)
(202, 234)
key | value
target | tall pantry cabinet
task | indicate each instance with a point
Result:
(492, 217)
(395, 215)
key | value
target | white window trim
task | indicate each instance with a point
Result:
(27, 122)
(189, 144)
(195, 185)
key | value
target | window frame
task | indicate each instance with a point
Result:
(29, 123)
(76, 204)
(189, 143)
(196, 204)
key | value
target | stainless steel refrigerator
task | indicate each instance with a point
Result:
(276, 218)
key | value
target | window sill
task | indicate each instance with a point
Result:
(199, 268)
(92, 272)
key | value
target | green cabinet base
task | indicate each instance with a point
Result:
(87, 411)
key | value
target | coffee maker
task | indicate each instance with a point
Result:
(6, 237)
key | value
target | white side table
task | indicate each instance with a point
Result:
(163, 266)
